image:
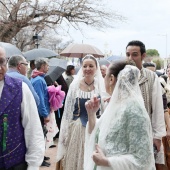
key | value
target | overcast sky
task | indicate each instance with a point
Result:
(147, 20)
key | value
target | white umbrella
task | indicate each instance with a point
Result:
(10, 49)
(80, 50)
(39, 53)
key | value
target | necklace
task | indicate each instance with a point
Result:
(89, 89)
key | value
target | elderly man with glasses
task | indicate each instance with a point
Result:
(22, 145)
(17, 67)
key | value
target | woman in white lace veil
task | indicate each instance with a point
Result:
(73, 124)
(122, 138)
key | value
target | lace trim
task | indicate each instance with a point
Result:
(86, 95)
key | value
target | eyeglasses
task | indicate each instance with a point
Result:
(26, 64)
(3, 63)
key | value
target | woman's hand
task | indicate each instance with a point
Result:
(92, 106)
(99, 158)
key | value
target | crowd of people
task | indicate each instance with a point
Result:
(113, 117)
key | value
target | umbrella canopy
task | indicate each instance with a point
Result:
(115, 57)
(80, 50)
(58, 62)
(39, 53)
(53, 74)
(10, 49)
(104, 62)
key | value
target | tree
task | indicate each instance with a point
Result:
(17, 15)
(159, 63)
(152, 53)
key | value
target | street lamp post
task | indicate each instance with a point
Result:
(166, 54)
(36, 39)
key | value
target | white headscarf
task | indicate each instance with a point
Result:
(70, 102)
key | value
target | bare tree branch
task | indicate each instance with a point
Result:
(15, 16)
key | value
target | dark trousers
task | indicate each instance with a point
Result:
(22, 166)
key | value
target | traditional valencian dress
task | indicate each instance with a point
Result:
(124, 130)
(72, 133)
(74, 157)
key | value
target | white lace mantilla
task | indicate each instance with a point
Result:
(130, 136)
(125, 133)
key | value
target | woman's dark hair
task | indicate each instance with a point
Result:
(68, 70)
(89, 56)
(119, 65)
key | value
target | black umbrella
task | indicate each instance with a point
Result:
(10, 49)
(39, 53)
(53, 74)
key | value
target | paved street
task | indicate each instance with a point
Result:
(51, 152)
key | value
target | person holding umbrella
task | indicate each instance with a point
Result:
(88, 82)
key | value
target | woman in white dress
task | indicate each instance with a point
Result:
(121, 139)
(87, 82)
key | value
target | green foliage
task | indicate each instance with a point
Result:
(159, 63)
(152, 53)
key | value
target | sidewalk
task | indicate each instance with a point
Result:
(51, 152)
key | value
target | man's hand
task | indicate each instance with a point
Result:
(46, 120)
(157, 143)
(99, 158)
